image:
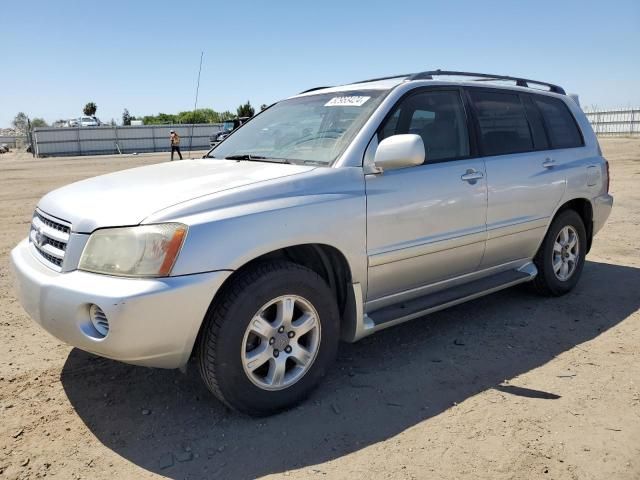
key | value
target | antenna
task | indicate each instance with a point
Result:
(195, 104)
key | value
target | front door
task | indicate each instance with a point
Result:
(426, 223)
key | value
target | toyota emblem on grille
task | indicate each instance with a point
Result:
(39, 238)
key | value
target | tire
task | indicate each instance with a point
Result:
(549, 280)
(234, 342)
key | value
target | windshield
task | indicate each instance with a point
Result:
(314, 129)
(228, 125)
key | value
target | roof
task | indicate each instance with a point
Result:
(387, 83)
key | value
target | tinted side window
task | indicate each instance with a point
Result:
(390, 125)
(438, 117)
(503, 123)
(540, 141)
(561, 126)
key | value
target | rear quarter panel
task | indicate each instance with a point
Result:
(584, 169)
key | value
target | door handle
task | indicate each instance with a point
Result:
(549, 163)
(471, 176)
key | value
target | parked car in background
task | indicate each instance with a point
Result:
(85, 122)
(228, 126)
(333, 214)
(89, 122)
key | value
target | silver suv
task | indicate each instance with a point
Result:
(331, 215)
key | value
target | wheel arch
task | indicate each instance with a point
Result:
(326, 260)
(584, 208)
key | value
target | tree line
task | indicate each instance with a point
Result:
(201, 115)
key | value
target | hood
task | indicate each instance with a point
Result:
(129, 196)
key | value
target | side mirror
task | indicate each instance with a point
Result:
(399, 151)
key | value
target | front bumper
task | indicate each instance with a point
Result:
(152, 322)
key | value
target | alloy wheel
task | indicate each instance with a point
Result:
(566, 251)
(281, 342)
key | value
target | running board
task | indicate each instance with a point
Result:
(408, 310)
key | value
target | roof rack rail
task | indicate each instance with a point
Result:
(520, 82)
(362, 81)
(381, 78)
(312, 90)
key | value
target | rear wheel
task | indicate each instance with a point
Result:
(269, 338)
(561, 256)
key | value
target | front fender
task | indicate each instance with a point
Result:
(327, 207)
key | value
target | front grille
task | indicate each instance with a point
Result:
(49, 237)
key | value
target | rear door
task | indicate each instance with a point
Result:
(426, 223)
(525, 182)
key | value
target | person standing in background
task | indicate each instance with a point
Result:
(175, 144)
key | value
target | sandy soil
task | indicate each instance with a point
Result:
(509, 386)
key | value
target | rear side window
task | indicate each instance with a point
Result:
(540, 141)
(561, 126)
(503, 123)
(438, 117)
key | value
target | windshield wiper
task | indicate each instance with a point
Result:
(256, 158)
(244, 157)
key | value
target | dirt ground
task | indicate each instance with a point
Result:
(508, 386)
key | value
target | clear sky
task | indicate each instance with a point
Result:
(58, 55)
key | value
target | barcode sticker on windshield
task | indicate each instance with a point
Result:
(350, 101)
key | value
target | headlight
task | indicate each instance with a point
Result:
(143, 251)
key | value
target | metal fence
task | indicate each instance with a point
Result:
(112, 140)
(13, 141)
(155, 138)
(620, 122)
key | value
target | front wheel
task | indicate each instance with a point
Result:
(269, 338)
(561, 256)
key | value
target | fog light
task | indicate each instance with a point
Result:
(99, 320)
